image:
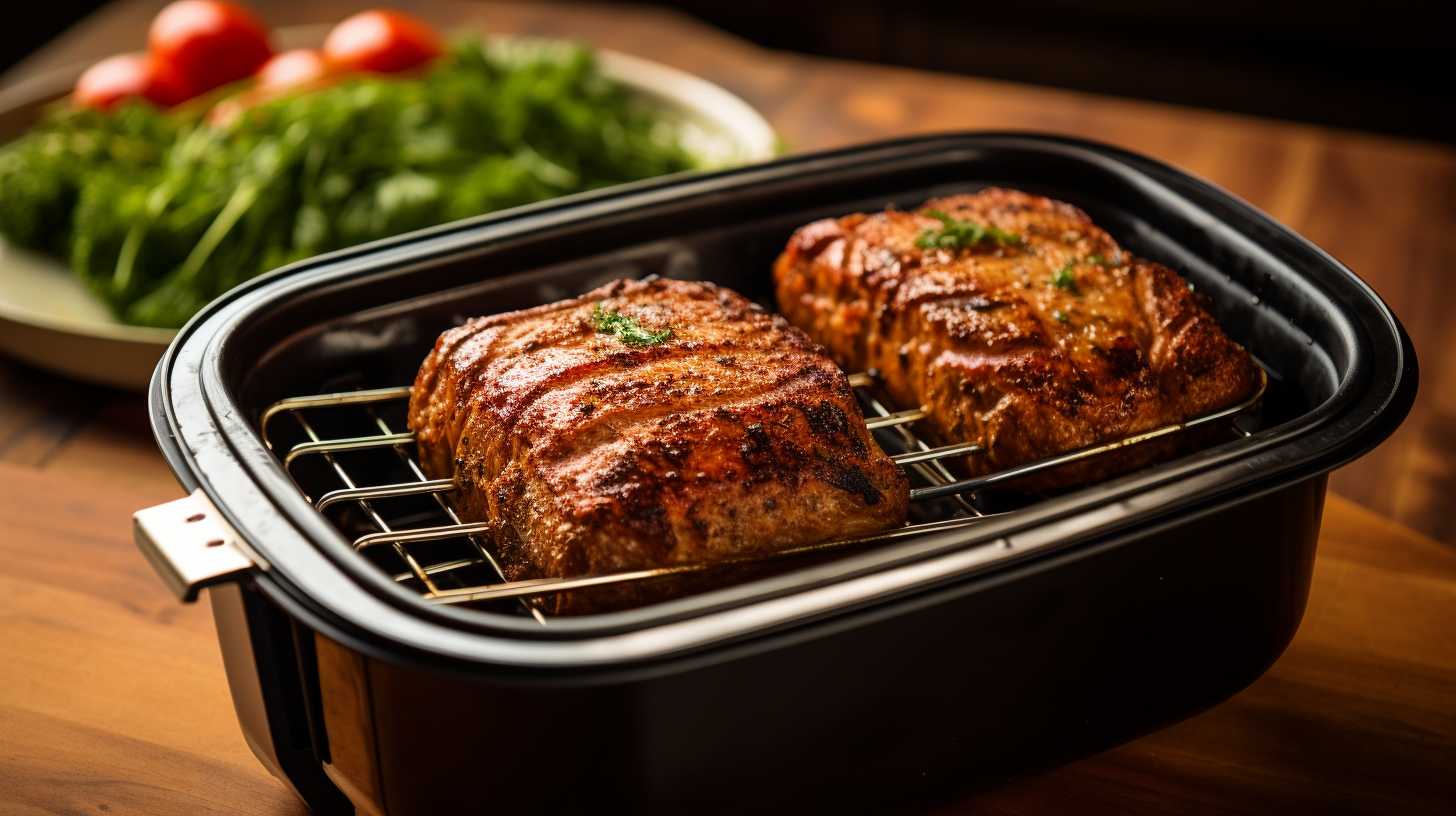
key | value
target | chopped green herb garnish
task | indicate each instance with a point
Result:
(1061, 316)
(1098, 259)
(1064, 279)
(625, 328)
(957, 234)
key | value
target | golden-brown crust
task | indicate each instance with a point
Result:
(996, 350)
(587, 455)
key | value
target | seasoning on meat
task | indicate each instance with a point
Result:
(646, 424)
(1040, 336)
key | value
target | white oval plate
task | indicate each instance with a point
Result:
(48, 319)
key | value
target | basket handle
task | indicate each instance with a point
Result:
(190, 545)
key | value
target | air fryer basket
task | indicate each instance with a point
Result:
(1069, 625)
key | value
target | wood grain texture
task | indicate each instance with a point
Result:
(112, 697)
(111, 693)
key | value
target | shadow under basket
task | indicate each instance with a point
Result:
(378, 660)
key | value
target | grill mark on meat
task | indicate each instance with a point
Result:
(1124, 358)
(506, 334)
(623, 413)
(587, 437)
(428, 428)
(851, 480)
(828, 422)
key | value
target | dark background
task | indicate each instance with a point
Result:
(1376, 65)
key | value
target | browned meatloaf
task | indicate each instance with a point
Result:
(1017, 322)
(706, 430)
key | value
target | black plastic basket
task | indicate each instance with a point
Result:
(883, 676)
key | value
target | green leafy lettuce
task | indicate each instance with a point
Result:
(161, 212)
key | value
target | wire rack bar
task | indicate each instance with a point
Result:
(443, 531)
(542, 586)
(368, 508)
(443, 566)
(484, 554)
(388, 491)
(935, 454)
(933, 471)
(363, 397)
(896, 418)
(321, 446)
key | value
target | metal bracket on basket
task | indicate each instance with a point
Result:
(190, 545)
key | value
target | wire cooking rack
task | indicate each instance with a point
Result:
(403, 520)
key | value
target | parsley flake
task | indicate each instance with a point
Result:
(1064, 279)
(956, 234)
(625, 328)
(1061, 316)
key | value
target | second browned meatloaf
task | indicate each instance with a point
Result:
(721, 432)
(1042, 337)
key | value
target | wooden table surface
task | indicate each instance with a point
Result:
(112, 697)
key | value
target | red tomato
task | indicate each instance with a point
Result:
(209, 42)
(381, 41)
(287, 72)
(293, 69)
(129, 76)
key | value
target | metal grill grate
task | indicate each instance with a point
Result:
(402, 519)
